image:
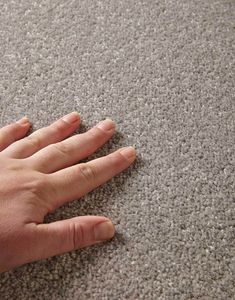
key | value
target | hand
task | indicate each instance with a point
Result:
(38, 174)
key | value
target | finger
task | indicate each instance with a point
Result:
(76, 181)
(13, 132)
(67, 235)
(44, 136)
(64, 154)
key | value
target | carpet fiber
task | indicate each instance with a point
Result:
(163, 70)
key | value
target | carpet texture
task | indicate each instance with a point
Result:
(164, 72)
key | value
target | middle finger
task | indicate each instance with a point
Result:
(63, 154)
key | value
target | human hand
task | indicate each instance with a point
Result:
(38, 174)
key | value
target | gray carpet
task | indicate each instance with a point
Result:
(164, 71)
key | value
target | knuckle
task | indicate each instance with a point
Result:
(37, 185)
(58, 128)
(77, 235)
(61, 148)
(87, 172)
(40, 190)
(60, 125)
(96, 134)
(35, 141)
(118, 158)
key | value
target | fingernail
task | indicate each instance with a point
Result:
(104, 231)
(23, 121)
(129, 153)
(106, 125)
(71, 118)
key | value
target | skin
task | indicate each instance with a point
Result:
(39, 173)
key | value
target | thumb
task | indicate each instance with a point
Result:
(67, 235)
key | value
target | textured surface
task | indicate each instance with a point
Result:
(163, 70)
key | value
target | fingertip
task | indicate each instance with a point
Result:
(129, 153)
(104, 231)
(71, 118)
(107, 125)
(24, 121)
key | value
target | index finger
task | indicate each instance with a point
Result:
(74, 182)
